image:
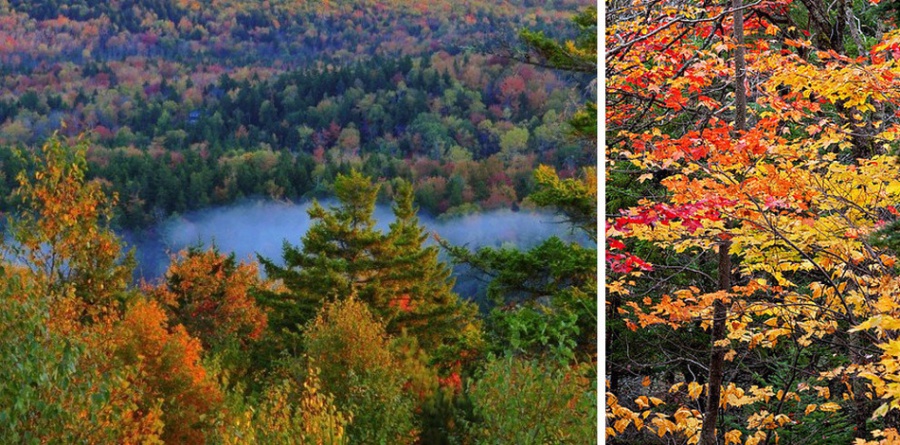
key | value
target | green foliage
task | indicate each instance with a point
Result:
(358, 367)
(527, 402)
(579, 55)
(530, 329)
(547, 296)
(400, 279)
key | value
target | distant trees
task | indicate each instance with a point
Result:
(171, 139)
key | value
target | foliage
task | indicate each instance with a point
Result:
(526, 402)
(402, 281)
(547, 294)
(574, 198)
(289, 415)
(61, 232)
(577, 55)
(169, 372)
(51, 390)
(213, 297)
(357, 365)
(794, 197)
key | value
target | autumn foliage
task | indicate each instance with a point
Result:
(115, 117)
(213, 297)
(800, 198)
(171, 378)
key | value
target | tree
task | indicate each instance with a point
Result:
(54, 387)
(579, 55)
(344, 254)
(784, 195)
(213, 297)
(546, 296)
(424, 304)
(528, 402)
(287, 414)
(169, 374)
(61, 232)
(352, 351)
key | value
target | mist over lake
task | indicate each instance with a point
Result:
(253, 227)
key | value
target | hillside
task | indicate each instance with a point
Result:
(193, 104)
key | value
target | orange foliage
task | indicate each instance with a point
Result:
(212, 297)
(169, 369)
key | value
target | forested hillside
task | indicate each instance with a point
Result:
(752, 185)
(192, 104)
(119, 115)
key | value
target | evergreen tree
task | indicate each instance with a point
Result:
(344, 254)
(424, 304)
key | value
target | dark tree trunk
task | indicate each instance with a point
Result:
(717, 354)
(720, 312)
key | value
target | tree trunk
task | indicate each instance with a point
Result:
(720, 312)
(717, 353)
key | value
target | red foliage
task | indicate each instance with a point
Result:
(212, 297)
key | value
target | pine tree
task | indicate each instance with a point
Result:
(335, 258)
(344, 254)
(423, 304)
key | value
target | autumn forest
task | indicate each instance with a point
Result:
(752, 185)
(116, 117)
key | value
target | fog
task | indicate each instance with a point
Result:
(262, 226)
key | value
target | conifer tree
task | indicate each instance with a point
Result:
(344, 254)
(423, 304)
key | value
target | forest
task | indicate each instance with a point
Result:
(751, 222)
(192, 106)
(117, 116)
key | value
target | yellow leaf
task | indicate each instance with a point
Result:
(642, 402)
(892, 348)
(646, 381)
(810, 408)
(694, 390)
(829, 407)
(733, 436)
(881, 411)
